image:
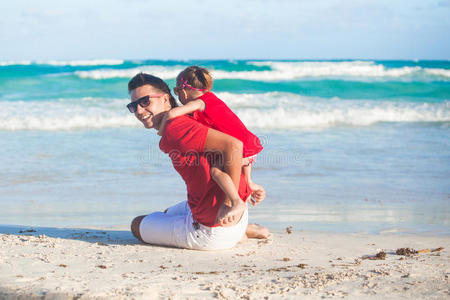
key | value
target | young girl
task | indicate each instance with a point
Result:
(193, 87)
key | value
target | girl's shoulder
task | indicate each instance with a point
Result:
(211, 98)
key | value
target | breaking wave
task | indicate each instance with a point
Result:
(278, 71)
(263, 111)
(160, 71)
(72, 63)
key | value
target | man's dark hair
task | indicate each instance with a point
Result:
(156, 82)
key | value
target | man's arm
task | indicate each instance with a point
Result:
(231, 149)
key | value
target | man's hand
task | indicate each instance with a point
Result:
(258, 193)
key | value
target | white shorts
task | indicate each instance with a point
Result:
(177, 228)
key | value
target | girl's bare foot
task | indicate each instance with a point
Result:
(229, 216)
(256, 231)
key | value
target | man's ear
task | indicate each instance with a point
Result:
(166, 99)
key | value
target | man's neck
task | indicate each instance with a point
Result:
(157, 120)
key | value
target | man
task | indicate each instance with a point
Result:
(189, 144)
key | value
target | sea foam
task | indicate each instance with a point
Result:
(289, 111)
(72, 63)
(293, 70)
(438, 72)
(162, 72)
(263, 111)
(66, 115)
(15, 63)
(75, 63)
(279, 71)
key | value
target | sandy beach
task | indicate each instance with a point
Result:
(341, 109)
(349, 145)
(105, 263)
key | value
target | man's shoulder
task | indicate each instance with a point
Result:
(180, 122)
(182, 130)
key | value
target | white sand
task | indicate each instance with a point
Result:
(111, 264)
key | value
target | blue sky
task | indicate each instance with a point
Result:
(245, 29)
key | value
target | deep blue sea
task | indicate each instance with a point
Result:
(350, 146)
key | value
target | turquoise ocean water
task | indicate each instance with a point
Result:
(353, 146)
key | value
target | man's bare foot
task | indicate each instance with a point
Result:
(230, 215)
(256, 231)
(244, 239)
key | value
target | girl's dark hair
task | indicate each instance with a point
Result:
(142, 79)
(197, 77)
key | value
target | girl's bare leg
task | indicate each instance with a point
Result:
(225, 183)
(231, 210)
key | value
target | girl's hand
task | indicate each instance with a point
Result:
(258, 193)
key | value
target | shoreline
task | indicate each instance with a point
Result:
(64, 231)
(100, 263)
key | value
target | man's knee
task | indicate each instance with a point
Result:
(135, 227)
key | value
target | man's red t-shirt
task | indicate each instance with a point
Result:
(219, 116)
(183, 140)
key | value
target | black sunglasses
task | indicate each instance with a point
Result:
(143, 102)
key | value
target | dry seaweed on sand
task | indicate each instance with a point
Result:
(206, 273)
(411, 251)
(437, 249)
(287, 268)
(379, 256)
(430, 250)
(405, 251)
